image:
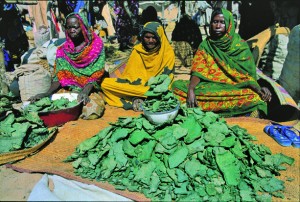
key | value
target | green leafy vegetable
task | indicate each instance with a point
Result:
(197, 157)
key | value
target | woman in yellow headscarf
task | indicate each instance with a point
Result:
(153, 56)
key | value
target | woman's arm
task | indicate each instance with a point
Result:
(263, 92)
(84, 94)
(191, 100)
(54, 87)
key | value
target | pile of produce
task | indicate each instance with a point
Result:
(159, 98)
(197, 157)
(46, 104)
(6, 103)
(22, 132)
(19, 130)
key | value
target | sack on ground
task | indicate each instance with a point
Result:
(33, 79)
(273, 57)
(95, 108)
(290, 74)
(41, 36)
(34, 55)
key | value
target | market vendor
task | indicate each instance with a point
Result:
(79, 66)
(223, 74)
(153, 56)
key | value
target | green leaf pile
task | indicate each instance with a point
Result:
(46, 104)
(159, 98)
(6, 103)
(198, 157)
(21, 132)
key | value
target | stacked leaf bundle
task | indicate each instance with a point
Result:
(22, 132)
(159, 98)
(198, 157)
(5, 104)
(46, 104)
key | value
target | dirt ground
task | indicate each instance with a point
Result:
(16, 186)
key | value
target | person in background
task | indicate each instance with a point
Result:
(187, 30)
(149, 14)
(79, 65)
(101, 19)
(12, 34)
(256, 16)
(201, 15)
(186, 38)
(126, 23)
(223, 74)
(97, 20)
(153, 56)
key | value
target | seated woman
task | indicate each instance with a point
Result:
(153, 56)
(79, 65)
(223, 74)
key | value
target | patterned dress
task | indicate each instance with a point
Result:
(226, 68)
(76, 69)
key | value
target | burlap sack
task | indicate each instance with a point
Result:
(95, 108)
(273, 57)
(290, 74)
(33, 79)
(41, 36)
(34, 55)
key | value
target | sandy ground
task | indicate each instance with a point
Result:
(15, 186)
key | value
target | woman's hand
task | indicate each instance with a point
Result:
(84, 97)
(38, 97)
(136, 104)
(191, 99)
(265, 94)
(54, 86)
(84, 94)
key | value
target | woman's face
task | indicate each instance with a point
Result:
(149, 41)
(73, 28)
(218, 28)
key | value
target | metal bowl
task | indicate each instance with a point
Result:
(161, 117)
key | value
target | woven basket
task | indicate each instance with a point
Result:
(21, 154)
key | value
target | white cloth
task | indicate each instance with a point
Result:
(70, 190)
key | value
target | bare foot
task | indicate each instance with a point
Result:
(137, 104)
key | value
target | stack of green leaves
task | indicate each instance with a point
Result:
(5, 104)
(198, 157)
(159, 98)
(46, 104)
(21, 132)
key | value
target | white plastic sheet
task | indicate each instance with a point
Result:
(70, 190)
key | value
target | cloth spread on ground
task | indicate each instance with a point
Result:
(50, 158)
(85, 66)
(226, 68)
(70, 190)
(141, 66)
